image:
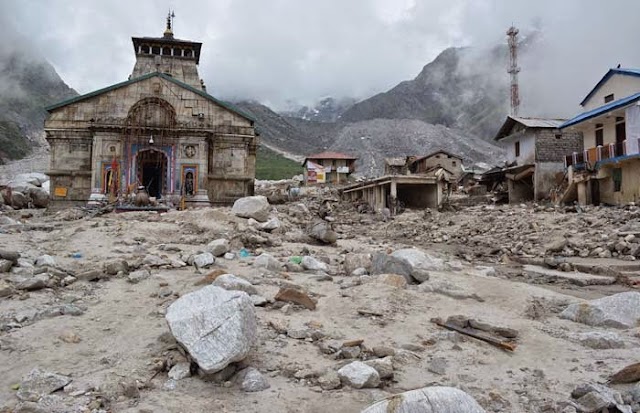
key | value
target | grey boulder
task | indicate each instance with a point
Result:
(256, 207)
(620, 310)
(359, 375)
(218, 247)
(321, 231)
(40, 383)
(427, 400)
(353, 261)
(215, 326)
(312, 264)
(268, 262)
(251, 380)
(232, 282)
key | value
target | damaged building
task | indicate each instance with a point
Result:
(535, 154)
(160, 129)
(608, 168)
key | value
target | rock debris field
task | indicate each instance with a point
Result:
(309, 306)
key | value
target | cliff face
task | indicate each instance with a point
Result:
(458, 90)
(27, 85)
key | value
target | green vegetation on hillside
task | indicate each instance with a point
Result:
(13, 144)
(271, 165)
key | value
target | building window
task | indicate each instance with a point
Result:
(166, 51)
(608, 98)
(145, 49)
(155, 50)
(187, 53)
(599, 135)
(617, 179)
(517, 149)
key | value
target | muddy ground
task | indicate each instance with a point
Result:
(116, 334)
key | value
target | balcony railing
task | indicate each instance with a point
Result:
(601, 153)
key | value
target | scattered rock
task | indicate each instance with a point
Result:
(180, 371)
(218, 247)
(353, 261)
(115, 266)
(5, 265)
(232, 282)
(202, 260)
(629, 374)
(251, 380)
(256, 207)
(393, 280)
(427, 400)
(215, 326)
(33, 283)
(45, 261)
(420, 263)
(358, 375)
(12, 256)
(40, 383)
(620, 310)
(295, 296)
(137, 276)
(321, 231)
(384, 366)
(601, 340)
(312, 264)
(6, 289)
(593, 398)
(267, 261)
(329, 380)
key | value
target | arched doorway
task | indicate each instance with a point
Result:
(152, 171)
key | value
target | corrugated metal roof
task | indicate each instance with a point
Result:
(98, 92)
(510, 122)
(611, 72)
(330, 155)
(539, 122)
(616, 104)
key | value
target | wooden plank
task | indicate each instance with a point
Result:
(477, 334)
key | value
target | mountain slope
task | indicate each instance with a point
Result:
(27, 85)
(461, 88)
(375, 139)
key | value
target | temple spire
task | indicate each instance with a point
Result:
(168, 33)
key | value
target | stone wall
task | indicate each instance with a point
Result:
(212, 142)
(552, 146)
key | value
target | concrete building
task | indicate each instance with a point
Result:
(608, 169)
(438, 159)
(396, 166)
(399, 191)
(328, 167)
(535, 152)
(159, 129)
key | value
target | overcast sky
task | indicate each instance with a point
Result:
(281, 51)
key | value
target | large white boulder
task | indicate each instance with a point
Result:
(618, 311)
(215, 326)
(256, 207)
(427, 400)
(359, 375)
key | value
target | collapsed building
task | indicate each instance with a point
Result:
(414, 182)
(160, 129)
(535, 155)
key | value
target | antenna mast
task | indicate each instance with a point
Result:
(514, 69)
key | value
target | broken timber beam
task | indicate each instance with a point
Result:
(477, 334)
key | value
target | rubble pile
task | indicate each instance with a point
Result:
(491, 232)
(290, 306)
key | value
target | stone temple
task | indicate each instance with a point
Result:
(160, 129)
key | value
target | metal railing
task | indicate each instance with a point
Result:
(601, 153)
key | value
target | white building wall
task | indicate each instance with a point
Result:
(620, 85)
(527, 149)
